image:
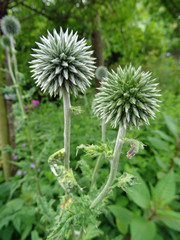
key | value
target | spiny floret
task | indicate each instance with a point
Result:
(63, 63)
(5, 42)
(10, 25)
(128, 96)
(101, 72)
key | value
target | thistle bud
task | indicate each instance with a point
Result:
(5, 42)
(101, 73)
(10, 25)
(128, 96)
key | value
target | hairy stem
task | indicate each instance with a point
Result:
(103, 130)
(18, 92)
(67, 129)
(114, 167)
(95, 172)
(14, 57)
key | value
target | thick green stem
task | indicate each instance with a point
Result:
(67, 129)
(4, 133)
(103, 130)
(114, 167)
(95, 172)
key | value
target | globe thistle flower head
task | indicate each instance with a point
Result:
(5, 42)
(10, 25)
(101, 73)
(128, 96)
(62, 63)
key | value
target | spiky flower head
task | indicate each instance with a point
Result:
(5, 42)
(63, 63)
(10, 25)
(101, 72)
(128, 96)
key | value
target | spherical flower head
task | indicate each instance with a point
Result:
(101, 73)
(10, 25)
(5, 42)
(127, 97)
(62, 63)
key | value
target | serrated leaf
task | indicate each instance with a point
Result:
(165, 188)
(139, 193)
(142, 229)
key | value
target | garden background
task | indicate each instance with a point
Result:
(144, 32)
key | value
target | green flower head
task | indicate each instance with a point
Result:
(128, 96)
(62, 63)
(10, 25)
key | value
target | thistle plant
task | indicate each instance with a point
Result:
(63, 65)
(11, 27)
(126, 98)
(101, 73)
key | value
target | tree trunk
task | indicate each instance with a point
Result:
(97, 45)
(4, 134)
(10, 116)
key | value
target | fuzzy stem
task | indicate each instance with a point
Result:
(17, 87)
(94, 176)
(103, 130)
(14, 57)
(67, 129)
(114, 167)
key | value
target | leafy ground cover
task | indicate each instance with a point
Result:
(149, 208)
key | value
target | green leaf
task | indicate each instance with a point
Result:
(171, 124)
(165, 188)
(170, 219)
(164, 136)
(35, 236)
(177, 161)
(17, 223)
(121, 213)
(158, 143)
(121, 226)
(140, 193)
(26, 231)
(142, 229)
(92, 231)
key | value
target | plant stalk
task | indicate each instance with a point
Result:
(95, 172)
(103, 130)
(14, 57)
(67, 129)
(18, 92)
(114, 167)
